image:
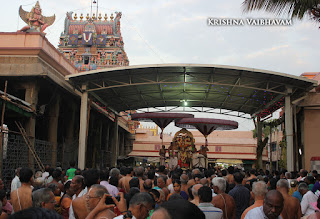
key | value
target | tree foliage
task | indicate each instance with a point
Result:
(292, 8)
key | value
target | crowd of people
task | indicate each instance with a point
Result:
(158, 193)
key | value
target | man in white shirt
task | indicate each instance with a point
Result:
(272, 207)
(15, 184)
(308, 198)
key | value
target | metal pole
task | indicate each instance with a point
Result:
(2, 121)
(289, 130)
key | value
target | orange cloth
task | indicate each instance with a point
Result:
(256, 204)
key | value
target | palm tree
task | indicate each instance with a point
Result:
(293, 8)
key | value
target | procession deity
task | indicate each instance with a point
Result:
(34, 19)
(162, 154)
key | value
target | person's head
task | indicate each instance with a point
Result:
(115, 172)
(35, 213)
(72, 163)
(155, 194)
(55, 189)
(129, 170)
(175, 196)
(26, 175)
(204, 182)
(151, 174)
(303, 188)
(309, 180)
(231, 170)
(205, 194)
(314, 173)
(56, 174)
(141, 204)
(163, 147)
(134, 182)
(288, 175)
(303, 173)
(283, 185)
(238, 177)
(184, 179)
(195, 189)
(178, 209)
(91, 177)
(259, 190)
(147, 185)
(273, 204)
(139, 171)
(114, 181)
(195, 171)
(161, 182)
(94, 195)
(219, 185)
(43, 198)
(176, 185)
(17, 171)
(104, 175)
(67, 188)
(77, 184)
(3, 197)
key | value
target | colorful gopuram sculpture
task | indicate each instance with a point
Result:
(35, 20)
(93, 42)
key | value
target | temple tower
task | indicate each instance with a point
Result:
(93, 42)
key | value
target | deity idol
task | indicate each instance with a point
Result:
(34, 19)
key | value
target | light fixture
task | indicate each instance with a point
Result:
(94, 1)
(185, 103)
(300, 152)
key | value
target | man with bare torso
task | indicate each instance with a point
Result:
(291, 208)
(21, 198)
(139, 171)
(222, 200)
(124, 181)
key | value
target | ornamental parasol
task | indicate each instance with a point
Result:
(161, 119)
(206, 125)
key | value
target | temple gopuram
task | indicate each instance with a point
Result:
(93, 42)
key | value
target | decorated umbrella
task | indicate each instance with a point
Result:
(161, 119)
(206, 125)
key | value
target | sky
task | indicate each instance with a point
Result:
(177, 31)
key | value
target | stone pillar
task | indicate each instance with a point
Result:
(31, 96)
(289, 130)
(122, 144)
(115, 143)
(83, 128)
(107, 146)
(53, 128)
(68, 144)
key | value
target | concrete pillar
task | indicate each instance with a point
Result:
(289, 130)
(31, 96)
(115, 143)
(83, 128)
(53, 128)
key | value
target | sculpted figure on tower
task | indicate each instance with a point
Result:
(34, 19)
